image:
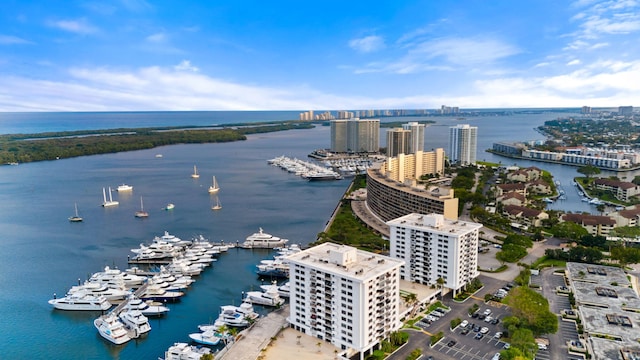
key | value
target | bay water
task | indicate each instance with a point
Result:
(41, 253)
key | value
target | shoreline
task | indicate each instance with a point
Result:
(511, 156)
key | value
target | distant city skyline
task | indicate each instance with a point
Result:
(139, 55)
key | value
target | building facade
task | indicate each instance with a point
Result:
(345, 296)
(433, 247)
(410, 167)
(389, 199)
(416, 142)
(398, 142)
(355, 135)
(463, 143)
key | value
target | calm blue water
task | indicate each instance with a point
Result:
(43, 253)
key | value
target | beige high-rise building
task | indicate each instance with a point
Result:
(355, 135)
(409, 168)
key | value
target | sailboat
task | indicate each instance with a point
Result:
(214, 187)
(76, 217)
(141, 213)
(111, 202)
(195, 174)
(217, 206)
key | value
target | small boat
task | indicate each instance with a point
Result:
(267, 298)
(110, 328)
(214, 188)
(169, 206)
(158, 155)
(547, 200)
(146, 308)
(209, 337)
(283, 290)
(141, 213)
(110, 202)
(135, 322)
(184, 351)
(124, 187)
(217, 206)
(585, 199)
(76, 217)
(195, 174)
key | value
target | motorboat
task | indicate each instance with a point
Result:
(274, 269)
(283, 290)
(245, 309)
(231, 317)
(169, 206)
(115, 293)
(110, 202)
(135, 322)
(217, 325)
(156, 293)
(596, 201)
(547, 200)
(267, 298)
(110, 275)
(262, 240)
(146, 308)
(81, 301)
(184, 351)
(209, 337)
(110, 328)
(124, 187)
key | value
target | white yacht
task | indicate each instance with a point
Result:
(98, 289)
(146, 308)
(184, 351)
(81, 301)
(231, 317)
(262, 240)
(214, 188)
(110, 275)
(209, 337)
(267, 298)
(283, 290)
(124, 187)
(135, 322)
(111, 329)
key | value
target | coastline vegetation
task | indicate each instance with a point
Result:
(22, 148)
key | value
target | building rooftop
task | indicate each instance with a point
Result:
(346, 261)
(435, 222)
(434, 192)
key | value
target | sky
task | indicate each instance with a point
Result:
(139, 55)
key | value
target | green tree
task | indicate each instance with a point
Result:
(625, 255)
(589, 170)
(533, 310)
(569, 230)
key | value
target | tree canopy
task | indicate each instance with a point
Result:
(533, 311)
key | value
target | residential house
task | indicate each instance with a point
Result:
(501, 189)
(524, 215)
(595, 225)
(512, 198)
(622, 190)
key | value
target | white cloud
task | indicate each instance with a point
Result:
(80, 26)
(542, 64)
(367, 44)
(574, 62)
(465, 51)
(185, 65)
(157, 38)
(12, 40)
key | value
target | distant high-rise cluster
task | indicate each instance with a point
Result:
(309, 116)
(625, 110)
(463, 142)
(448, 110)
(586, 110)
(355, 135)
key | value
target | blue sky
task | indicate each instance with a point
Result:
(121, 55)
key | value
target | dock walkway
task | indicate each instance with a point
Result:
(137, 293)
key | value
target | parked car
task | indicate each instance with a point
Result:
(495, 321)
(542, 346)
(496, 356)
(484, 330)
(451, 343)
(478, 336)
(488, 319)
(464, 331)
(464, 323)
(498, 335)
(487, 312)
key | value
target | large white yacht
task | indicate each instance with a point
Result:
(81, 301)
(146, 308)
(184, 351)
(110, 328)
(135, 322)
(110, 293)
(124, 187)
(267, 298)
(116, 275)
(283, 290)
(262, 240)
(209, 337)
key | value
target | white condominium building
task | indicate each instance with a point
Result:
(463, 143)
(344, 296)
(433, 247)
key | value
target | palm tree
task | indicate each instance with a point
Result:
(411, 300)
(440, 282)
